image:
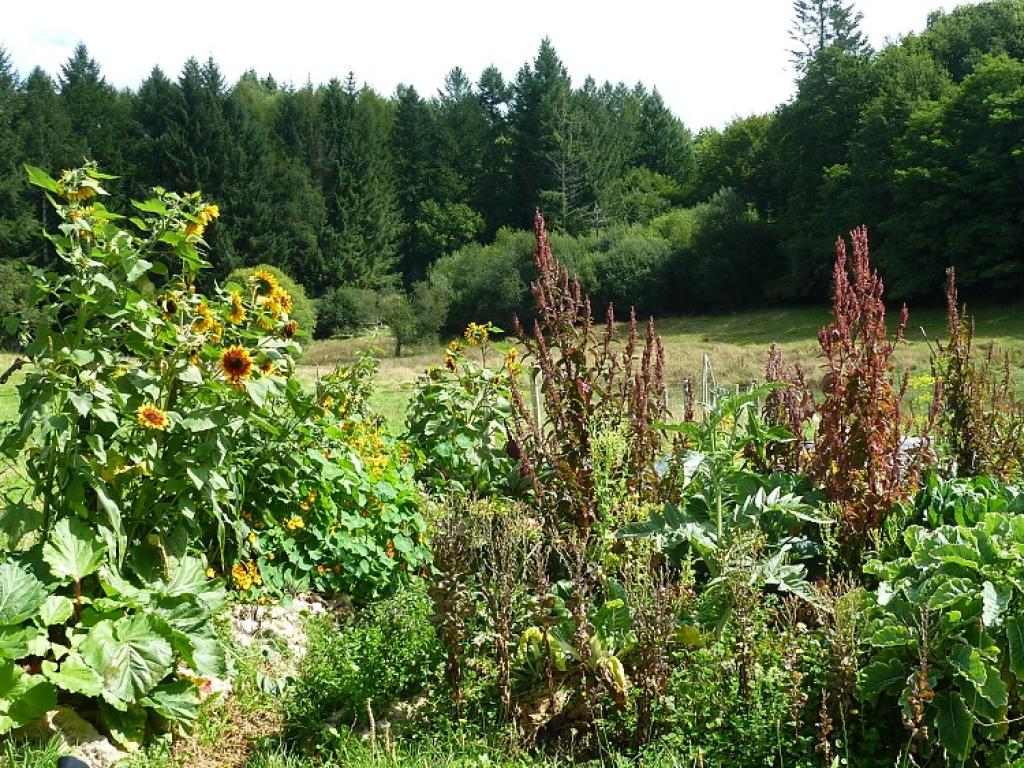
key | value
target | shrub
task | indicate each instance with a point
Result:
(626, 268)
(413, 317)
(346, 309)
(640, 196)
(486, 281)
(15, 302)
(303, 309)
(386, 652)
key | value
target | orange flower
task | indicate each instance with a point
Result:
(149, 416)
(390, 549)
(236, 364)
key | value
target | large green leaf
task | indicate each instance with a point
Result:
(127, 726)
(21, 594)
(15, 641)
(881, 677)
(130, 656)
(953, 721)
(56, 610)
(23, 698)
(74, 675)
(968, 662)
(176, 701)
(1015, 635)
(73, 550)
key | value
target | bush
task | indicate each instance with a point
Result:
(386, 652)
(346, 309)
(627, 269)
(414, 317)
(303, 310)
(486, 281)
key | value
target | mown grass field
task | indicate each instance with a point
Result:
(736, 345)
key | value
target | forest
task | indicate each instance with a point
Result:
(357, 195)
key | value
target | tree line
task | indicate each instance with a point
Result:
(356, 194)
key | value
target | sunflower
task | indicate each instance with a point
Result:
(284, 300)
(236, 364)
(236, 314)
(266, 283)
(267, 367)
(204, 322)
(203, 217)
(273, 305)
(289, 329)
(149, 416)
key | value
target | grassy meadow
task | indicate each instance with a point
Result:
(736, 344)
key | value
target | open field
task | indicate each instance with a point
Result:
(736, 344)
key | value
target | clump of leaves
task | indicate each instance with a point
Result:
(857, 451)
(947, 634)
(979, 418)
(458, 421)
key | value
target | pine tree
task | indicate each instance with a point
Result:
(14, 221)
(666, 147)
(821, 24)
(99, 115)
(46, 140)
(416, 170)
(493, 196)
(363, 219)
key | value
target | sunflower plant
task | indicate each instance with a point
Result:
(153, 418)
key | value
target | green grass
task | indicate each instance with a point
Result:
(736, 344)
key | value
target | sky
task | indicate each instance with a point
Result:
(712, 60)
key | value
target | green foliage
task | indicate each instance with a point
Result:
(413, 317)
(15, 303)
(386, 652)
(457, 420)
(946, 637)
(303, 311)
(330, 502)
(346, 310)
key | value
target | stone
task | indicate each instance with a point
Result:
(78, 737)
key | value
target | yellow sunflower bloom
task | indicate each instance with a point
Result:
(266, 283)
(236, 313)
(149, 416)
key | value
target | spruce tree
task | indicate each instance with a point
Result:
(821, 24)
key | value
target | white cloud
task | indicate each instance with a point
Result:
(711, 59)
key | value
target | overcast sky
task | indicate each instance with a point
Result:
(711, 59)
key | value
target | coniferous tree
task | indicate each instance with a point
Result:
(362, 211)
(493, 196)
(821, 24)
(14, 219)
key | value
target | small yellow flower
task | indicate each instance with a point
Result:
(205, 321)
(252, 538)
(295, 522)
(270, 555)
(149, 416)
(210, 573)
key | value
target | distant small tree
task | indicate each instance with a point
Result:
(415, 316)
